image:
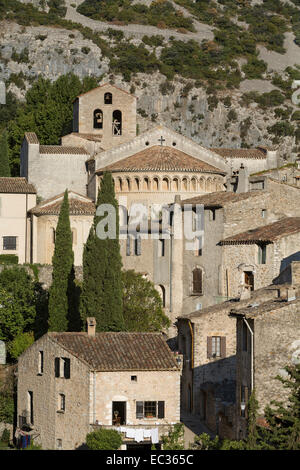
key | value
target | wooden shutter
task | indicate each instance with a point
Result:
(223, 346)
(161, 409)
(67, 368)
(197, 281)
(56, 367)
(140, 409)
(209, 347)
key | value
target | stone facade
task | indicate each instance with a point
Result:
(90, 396)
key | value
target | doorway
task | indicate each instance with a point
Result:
(118, 413)
(249, 279)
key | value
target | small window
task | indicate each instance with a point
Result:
(62, 367)
(62, 402)
(197, 281)
(98, 119)
(161, 247)
(216, 346)
(212, 214)
(133, 378)
(150, 409)
(117, 123)
(59, 444)
(262, 254)
(9, 243)
(264, 213)
(41, 362)
(108, 98)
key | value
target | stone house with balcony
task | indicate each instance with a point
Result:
(72, 383)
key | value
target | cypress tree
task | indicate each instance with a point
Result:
(62, 262)
(102, 270)
(4, 160)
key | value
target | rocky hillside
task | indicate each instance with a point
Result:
(218, 72)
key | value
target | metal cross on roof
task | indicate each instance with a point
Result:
(161, 140)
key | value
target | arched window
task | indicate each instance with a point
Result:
(155, 184)
(175, 184)
(107, 98)
(98, 119)
(197, 281)
(162, 292)
(145, 184)
(193, 184)
(117, 123)
(184, 184)
(165, 184)
(136, 184)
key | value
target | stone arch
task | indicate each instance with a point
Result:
(193, 184)
(208, 184)
(118, 184)
(136, 183)
(117, 122)
(175, 184)
(184, 184)
(146, 183)
(126, 184)
(155, 183)
(107, 98)
(98, 119)
(202, 184)
(165, 184)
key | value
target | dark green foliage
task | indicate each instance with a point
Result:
(283, 419)
(17, 294)
(6, 408)
(154, 41)
(254, 68)
(159, 13)
(174, 440)
(129, 59)
(62, 262)
(142, 304)
(48, 112)
(104, 439)
(73, 294)
(20, 343)
(4, 159)
(282, 129)
(5, 435)
(9, 259)
(251, 443)
(102, 277)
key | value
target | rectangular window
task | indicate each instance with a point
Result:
(262, 254)
(133, 378)
(263, 213)
(150, 409)
(216, 346)
(41, 362)
(161, 247)
(62, 402)
(9, 243)
(62, 367)
(198, 251)
(30, 407)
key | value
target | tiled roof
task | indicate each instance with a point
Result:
(255, 309)
(61, 149)
(16, 185)
(221, 198)
(119, 351)
(159, 158)
(267, 233)
(257, 154)
(104, 85)
(31, 137)
(76, 207)
(94, 137)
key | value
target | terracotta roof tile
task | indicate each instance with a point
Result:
(63, 150)
(119, 351)
(31, 138)
(77, 207)
(221, 198)
(258, 154)
(16, 185)
(267, 233)
(159, 158)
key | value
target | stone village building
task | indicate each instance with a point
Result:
(70, 384)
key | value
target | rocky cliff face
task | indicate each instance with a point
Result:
(218, 121)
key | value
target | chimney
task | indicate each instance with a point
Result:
(243, 180)
(91, 326)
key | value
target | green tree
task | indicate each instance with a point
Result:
(20, 343)
(18, 298)
(4, 159)
(252, 434)
(102, 276)
(104, 439)
(142, 304)
(62, 262)
(283, 420)
(174, 440)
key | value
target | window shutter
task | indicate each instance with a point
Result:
(223, 346)
(209, 347)
(128, 246)
(67, 368)
(197, 281)
(161, 409)
(139, 409)
(56, 367)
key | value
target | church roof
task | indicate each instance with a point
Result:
(107, 85)
(16, 185)
(267, 233)
(160, 158)
(63, 150)
(76, 206)
(111, 351)
(221, 198)
(86, 136)
(258, 153)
